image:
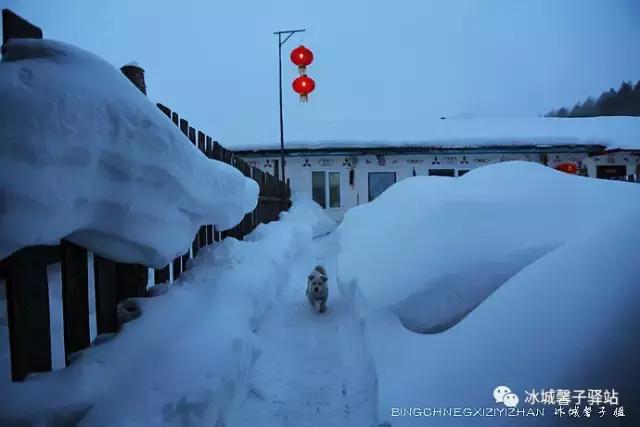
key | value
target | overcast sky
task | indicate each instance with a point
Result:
(402, 61)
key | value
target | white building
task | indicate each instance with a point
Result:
(343, 173)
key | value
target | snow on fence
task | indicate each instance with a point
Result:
(25, 271)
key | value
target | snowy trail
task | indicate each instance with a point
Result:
(314, 370)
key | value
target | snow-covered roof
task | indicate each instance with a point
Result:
(611, 132)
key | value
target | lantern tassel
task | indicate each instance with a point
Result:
(302, 70)
(304, 98)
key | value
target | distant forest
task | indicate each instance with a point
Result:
(623, 102)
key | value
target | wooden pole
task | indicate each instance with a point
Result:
(28, 312)
(75, 298)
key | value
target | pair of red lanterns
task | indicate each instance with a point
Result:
(303, 85)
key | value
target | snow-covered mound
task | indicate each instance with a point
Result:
(304, 209)
(86, 156)
(187, 360)
(568, 321)
(433, 248)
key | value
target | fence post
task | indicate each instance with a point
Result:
(202, 233)
(184, 128)
(162, 275)
(209, 153)
(28, 312)
(75, 298)
(106, 285)
(132, 278)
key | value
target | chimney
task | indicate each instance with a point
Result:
(136, 75)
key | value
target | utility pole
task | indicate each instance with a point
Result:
(288, 34)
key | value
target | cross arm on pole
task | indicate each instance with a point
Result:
(289, 34)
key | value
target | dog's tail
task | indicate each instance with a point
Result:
(320, 269)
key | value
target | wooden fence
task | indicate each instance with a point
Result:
(25, 271)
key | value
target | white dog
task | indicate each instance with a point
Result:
(318, 289)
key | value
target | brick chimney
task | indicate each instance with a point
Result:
(136, 75)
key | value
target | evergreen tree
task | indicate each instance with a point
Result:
(623, 102)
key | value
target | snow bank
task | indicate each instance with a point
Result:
(187, 359)
(432, 248)
(567, 321)
(85, 156)
(612, 132)
(304, 209)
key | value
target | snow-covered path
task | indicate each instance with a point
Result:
(313, 370)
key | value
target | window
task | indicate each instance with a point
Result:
(334, 189)
(441, 172)
(319, 188)
(611, 172)
(462, 171)
(380, 181)
(323, 183)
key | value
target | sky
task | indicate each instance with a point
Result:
(398, 62)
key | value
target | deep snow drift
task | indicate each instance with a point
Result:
(86, 156)
(189, 358)
(568, 321)
(434, 247)
(554, 255)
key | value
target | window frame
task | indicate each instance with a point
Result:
(395, 180)
(327, 188)
(329, 173)
(324, 188)
(453, 172)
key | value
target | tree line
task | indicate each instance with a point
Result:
(623, 102)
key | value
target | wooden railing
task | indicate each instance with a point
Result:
(25, 271)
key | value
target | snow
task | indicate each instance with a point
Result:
(87, 158)
(612, 132)
(514, 274)
(441, 289)
(314, 369)
(432, 248)
(567, 321)
(306, 210)
(206, 351)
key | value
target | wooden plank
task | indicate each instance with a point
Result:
(28, 312)
(75, 298)
(202, 236)
(195, 245)
(201, 142)
(162, 275)
(209, 234)
(208, 150)
(192, 135)
(132, 280)
(16, 27)
(166, 110)
(184, 127)
(185, 258)
(217, 151)
(106, 285)
(177, 268)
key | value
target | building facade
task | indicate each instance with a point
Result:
(340, 178)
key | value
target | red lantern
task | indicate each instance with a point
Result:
(301, 56)
(567, 167)
(304, 85)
